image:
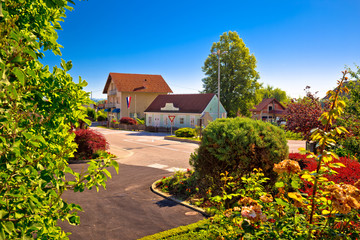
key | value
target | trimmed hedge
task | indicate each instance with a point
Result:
(238, 145)
(185, 132)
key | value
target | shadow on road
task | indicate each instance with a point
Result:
(143, 133)
(166, 203)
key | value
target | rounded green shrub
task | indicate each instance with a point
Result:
(101, 116)
(237, 146)
(185, 132)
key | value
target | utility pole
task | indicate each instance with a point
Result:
(218, 53)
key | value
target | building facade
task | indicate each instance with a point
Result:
(185, 109)
(140, 89)
(269, 110)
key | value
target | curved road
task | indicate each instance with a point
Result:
(128, 209)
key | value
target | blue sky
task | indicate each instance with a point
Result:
(296, 42)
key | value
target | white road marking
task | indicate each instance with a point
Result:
(150, 145)
(156, 165)
(161, 166)
(175, 169)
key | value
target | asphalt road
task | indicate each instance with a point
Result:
(128, 209)
(148, 149)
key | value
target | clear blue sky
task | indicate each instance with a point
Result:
(296, 42)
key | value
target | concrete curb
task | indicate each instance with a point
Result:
(184, 203)
(181, 140)
(88, 160)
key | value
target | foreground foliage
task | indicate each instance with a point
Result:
(38, 110)
(306, 204)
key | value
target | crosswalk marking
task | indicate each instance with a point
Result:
(166, 167)
(156, 146)
(175, 169)
(156, 165)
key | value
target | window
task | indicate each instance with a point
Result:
(181, 120)
(270, 108)
(166, 120)
(192, 121)
(150, 120)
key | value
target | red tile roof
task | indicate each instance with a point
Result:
(187, 103)
(125, 82)
(265, 102)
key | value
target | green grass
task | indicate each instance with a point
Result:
(183, 232)
(188, 138)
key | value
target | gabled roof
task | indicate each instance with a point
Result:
(347, 84)
(125, 82)
(264, 103)
(187, 103)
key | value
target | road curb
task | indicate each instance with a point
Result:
(88, 160)
(181, 140)
(184, 203)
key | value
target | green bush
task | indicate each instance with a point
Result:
(101, 116)
(237, 146)
(185, 132)
(290, 135)
(91, 113)
(140, 120)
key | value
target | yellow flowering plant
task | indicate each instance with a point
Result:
(330, 211)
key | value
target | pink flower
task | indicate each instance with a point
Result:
(248, 212)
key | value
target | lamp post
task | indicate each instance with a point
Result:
(218, 53)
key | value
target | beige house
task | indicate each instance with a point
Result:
(141, 88)
(269, 110)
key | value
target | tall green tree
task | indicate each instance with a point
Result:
(38, 110)
(355, 74)
(238, 76)
(271, 92)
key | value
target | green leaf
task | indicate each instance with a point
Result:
(9, 226)
(2, 234)
(279, 184)
(107, 173)
(115, 164)
(295, 184)
(17, 59)
(19, 75)
(3, 213)
(281, 202)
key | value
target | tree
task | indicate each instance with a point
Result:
(350, 144)
(38, 109)
(277, 93)
(355, 74)
(238, 75)
(302, 115)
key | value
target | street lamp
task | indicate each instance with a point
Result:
(218, 53)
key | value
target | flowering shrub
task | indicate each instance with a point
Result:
(349, 174)
(330, 210)
(127, 120)
(89, 141)
(181, 183)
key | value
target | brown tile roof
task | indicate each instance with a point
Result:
(264, 103)
(187, 103)
(126, 82)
